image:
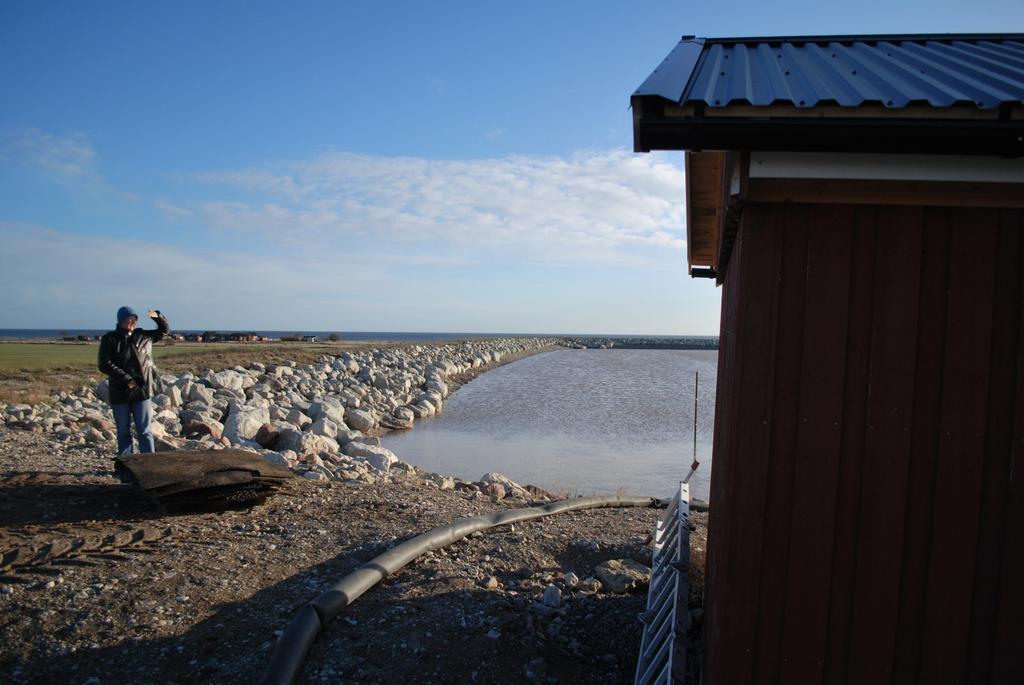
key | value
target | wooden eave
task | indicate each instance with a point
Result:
(706, 197)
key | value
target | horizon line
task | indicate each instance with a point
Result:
(70, 329)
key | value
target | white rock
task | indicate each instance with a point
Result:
(297, 418)
(423, 409)
(552, 597)
(325, 427)
(238, 399)
(166, 416)
(622, 575)
(346, 435)
(278, 458)
(282, 372)
(102, 390)
(230, 380)
(174, 394)
(332, 409)
(442, 482)
(511, 486)
(308, 443)
(438, 386)
(359, 420)
(244, 423)
(201, 393)
(380, 458)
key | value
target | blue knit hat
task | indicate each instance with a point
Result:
(123, 313)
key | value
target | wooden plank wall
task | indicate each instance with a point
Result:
(868, 512)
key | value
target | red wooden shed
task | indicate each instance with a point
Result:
(860, 200)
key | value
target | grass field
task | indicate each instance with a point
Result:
(30, 371)
(32, 356)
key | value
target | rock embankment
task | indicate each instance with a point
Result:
(322, 420)
(97, 586)
(649, 342)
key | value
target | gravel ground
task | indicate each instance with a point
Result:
(103, 588)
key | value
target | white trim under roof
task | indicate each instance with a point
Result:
(882, 167)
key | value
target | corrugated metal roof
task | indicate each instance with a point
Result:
(984, 71)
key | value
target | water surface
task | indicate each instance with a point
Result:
(582, 421)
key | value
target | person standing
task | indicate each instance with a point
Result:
(126, 356)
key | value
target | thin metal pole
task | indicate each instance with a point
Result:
(695, 464)
(696, 382)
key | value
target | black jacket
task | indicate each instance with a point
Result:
(129, 357)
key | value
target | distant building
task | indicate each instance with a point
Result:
(194, 337)
(309, 338)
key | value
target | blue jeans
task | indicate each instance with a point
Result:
(142, 414)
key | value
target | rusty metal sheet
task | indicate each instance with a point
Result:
(203, 480)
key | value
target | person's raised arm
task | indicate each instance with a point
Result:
(162, 327)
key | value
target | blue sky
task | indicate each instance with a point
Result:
(447, 166)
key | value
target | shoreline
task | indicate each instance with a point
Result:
(92, 423)
(322, 420)
(201, 598)
(471, 374)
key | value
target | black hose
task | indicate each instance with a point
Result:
(290, 652)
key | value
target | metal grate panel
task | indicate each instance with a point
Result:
(662, 653)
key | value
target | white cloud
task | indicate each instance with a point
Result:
(58, 276)
(71, 155)
(603, 206)
(65, 280)
(170, 210)
(361, 242)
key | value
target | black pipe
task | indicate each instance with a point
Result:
(290, 652)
